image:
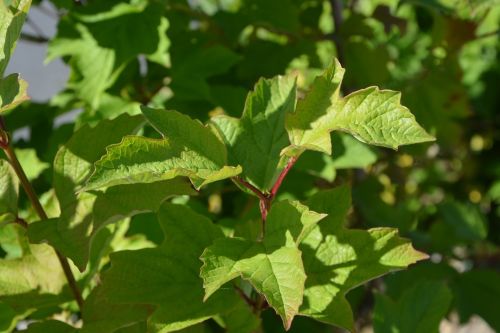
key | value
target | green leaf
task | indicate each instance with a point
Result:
(256, 140)
(419, 310)
(13, 91)
(337, 259)
(464, 221)
(477, 292)
(126, 200)
(167, 276)
(95, 65)
(306, 127)
(99, 315)
(349, 153)
(371, 115)
(187, 149)
(33, 281)
(376, 117)
(273, 266)
(70, 233)
(100, 47)
(241, 319)
(9, 191)
(378, 213)
(12, 16)
(189, 75)
(8, 318)
(53, 326)
(31, 163)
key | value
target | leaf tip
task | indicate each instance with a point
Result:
(287, 323)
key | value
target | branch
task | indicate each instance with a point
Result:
(21, 222)
(249, 186)
(267, 199)
(338, 19)
(30, 192)
(245, 297)
(33, 39)
(488, 34)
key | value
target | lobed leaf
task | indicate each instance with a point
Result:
(167, 276)
(187, 149)
(33, 281)
(256, 140)
(371, 115)
(337, 259)
(71, 232)
(273, 266)
(420, 309)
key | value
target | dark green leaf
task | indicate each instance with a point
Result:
(255, 141)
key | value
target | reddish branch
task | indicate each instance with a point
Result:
(267, 198)
(245, 297)
(282, 176)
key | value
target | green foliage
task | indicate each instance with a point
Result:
(255, 141)
(420, 309)
(12, 92)
(273, 266)
(12, 16)
(172, 202)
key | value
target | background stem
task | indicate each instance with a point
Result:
(30, 192)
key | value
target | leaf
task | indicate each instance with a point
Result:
(376, 212)
(167, 276)
(280, 14)
(13, 91)
(8, 318)
(419, 310)
(38, 270)
(349, 153)
(187, 149)
(440, 102)
(126, 200)
(241, 319)
(12, 16)
(190, 73)
(100, 47)
(371, 115)
(337, 259)
(99, 315)
(273, 266)
(477, 292)
(52, 326)
(305, 127)
(376, 117)
(70, 233)
(256, 140)
(465, 221)
(33, 281)
(31, 163)
(9, 191)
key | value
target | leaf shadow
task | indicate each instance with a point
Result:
(358, 259)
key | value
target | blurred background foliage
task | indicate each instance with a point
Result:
(201, 57)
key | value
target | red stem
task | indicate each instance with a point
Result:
(282, 176)
(266, 199)
(252, 188)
